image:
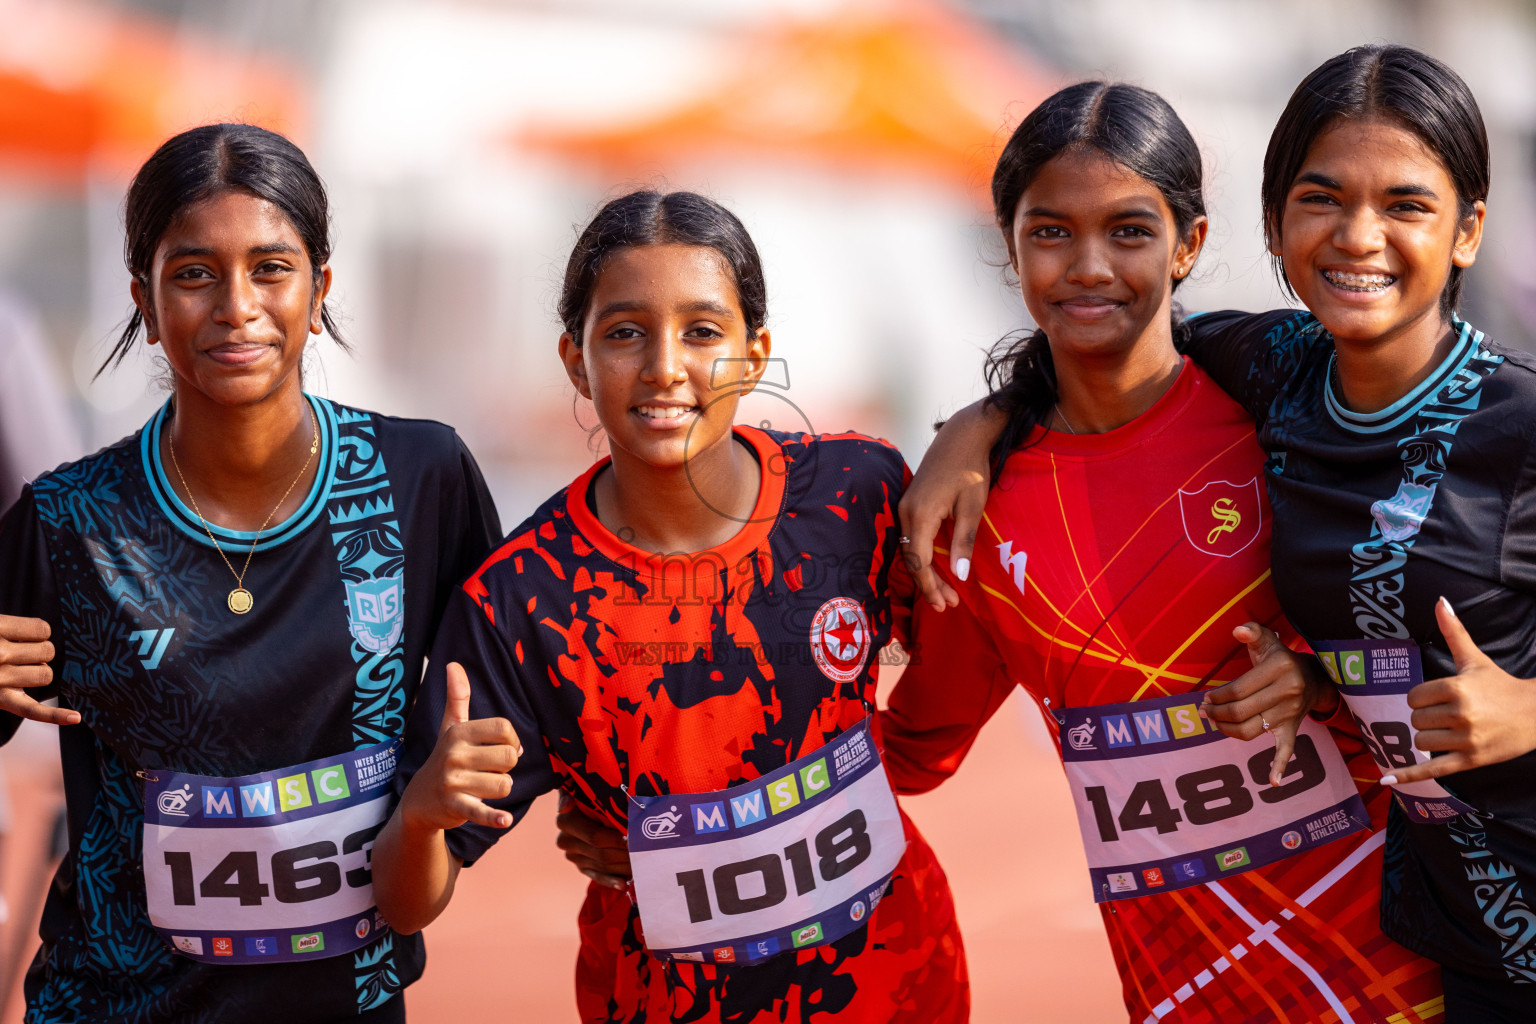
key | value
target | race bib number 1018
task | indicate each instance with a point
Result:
(1165, 801)
(267, 867)
(799, 857)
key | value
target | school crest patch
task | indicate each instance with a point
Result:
(376, 612)
(1222, 518)
(1400, 516)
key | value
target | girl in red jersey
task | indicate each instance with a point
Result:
(685, 639)
(1125, 535)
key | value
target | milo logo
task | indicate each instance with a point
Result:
(310, 942)
(1229, 859)
(807, 935)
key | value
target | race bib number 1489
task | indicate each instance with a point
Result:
(1165, 801)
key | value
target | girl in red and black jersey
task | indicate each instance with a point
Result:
(683, 641)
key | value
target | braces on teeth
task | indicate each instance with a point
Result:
(1359, 282)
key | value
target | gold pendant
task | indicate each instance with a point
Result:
(240, 600)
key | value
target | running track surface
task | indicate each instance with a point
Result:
(505, 949)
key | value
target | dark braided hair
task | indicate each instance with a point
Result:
(1135, 128)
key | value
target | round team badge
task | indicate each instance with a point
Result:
(1291, 840)
(363, 928)
(840, 639)
(857, 910)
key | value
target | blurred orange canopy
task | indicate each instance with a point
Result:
(908, 87)
(83, 85)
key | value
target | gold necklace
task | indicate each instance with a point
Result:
(240, 599)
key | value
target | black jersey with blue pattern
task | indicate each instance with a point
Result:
(1378, 515)
(165, 676)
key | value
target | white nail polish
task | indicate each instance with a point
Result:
(1447, 606)
(1389, 780)
(962, 569)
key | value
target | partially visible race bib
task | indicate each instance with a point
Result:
(267, 867)
(799, 857)
(1374, 677)
(1165, 801)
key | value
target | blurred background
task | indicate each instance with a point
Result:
(464, 142)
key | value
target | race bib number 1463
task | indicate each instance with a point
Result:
(267, 867)
(1165, 801)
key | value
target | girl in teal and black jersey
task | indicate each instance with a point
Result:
(236, 602)
(1402, 478)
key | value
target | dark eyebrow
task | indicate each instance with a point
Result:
(1135, 213)
(1412, 190)
(270, 249)
(704, 306)
(1313, 178)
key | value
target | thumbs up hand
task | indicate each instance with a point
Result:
(1481, 715)
(1271, 697)
(471, 763)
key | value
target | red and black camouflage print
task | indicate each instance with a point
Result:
(692, 673)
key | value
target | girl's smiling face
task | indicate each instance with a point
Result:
(1370, 230)
(1096, 248)
(665, 353)
(232, 298)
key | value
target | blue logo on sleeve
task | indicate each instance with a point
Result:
(765, 947)
(709, 817)
(1117, 731)
(1186, 870)
(218, 801)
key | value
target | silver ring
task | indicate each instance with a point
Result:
(903, 539)
(1264, 720)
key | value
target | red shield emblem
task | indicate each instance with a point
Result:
(840, 639)
(1222, 518)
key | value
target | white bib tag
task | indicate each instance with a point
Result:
(267, 867)
(1165, 801)
(1374, 677)
(799, 857)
